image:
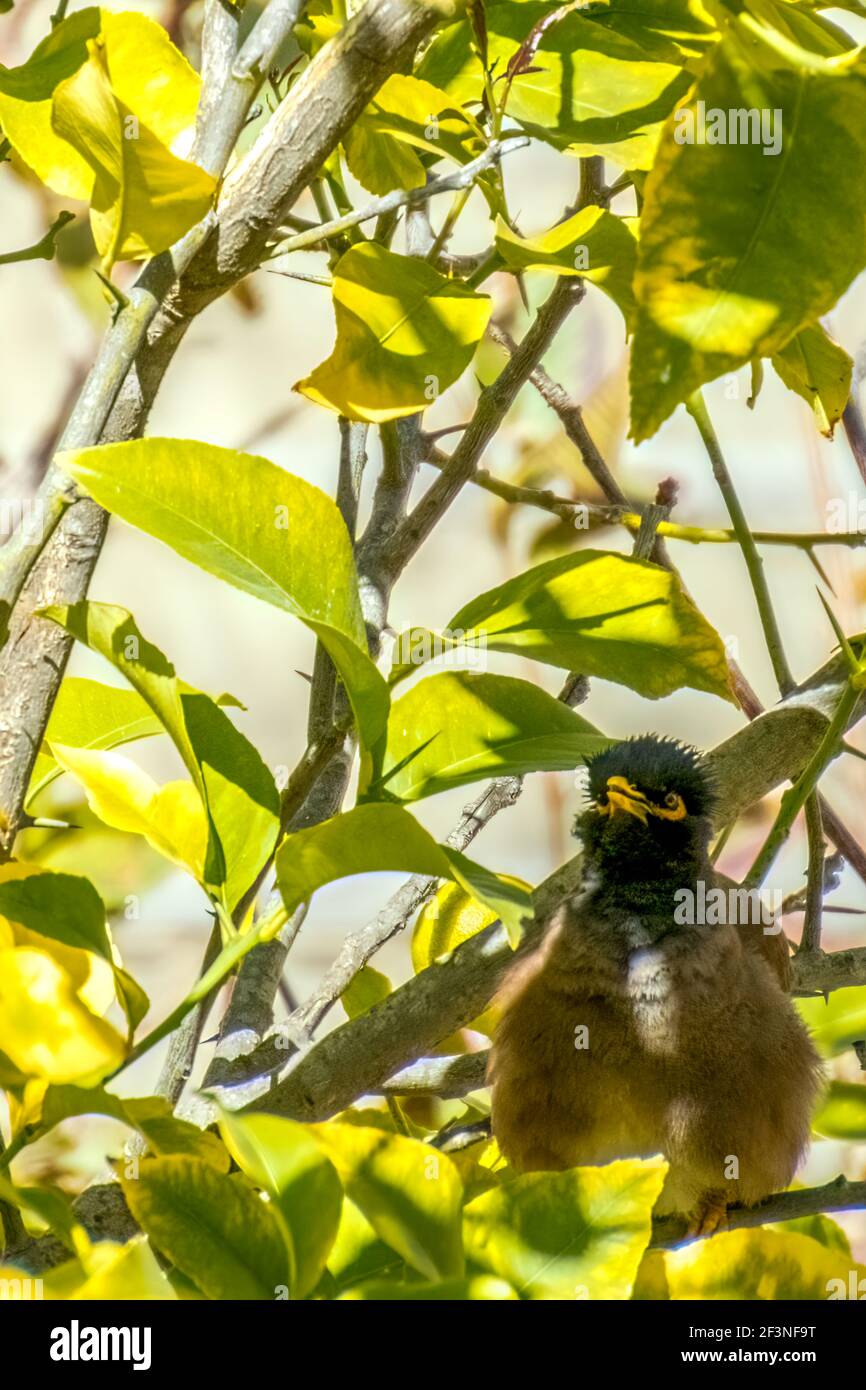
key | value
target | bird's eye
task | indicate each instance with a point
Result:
(671, 799)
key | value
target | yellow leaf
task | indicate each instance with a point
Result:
(105, 110)
(760, 1264)
(144, 198)
(405, 333)
(110, 1271)
(171, 818)
(45, 1027)
(92, 976)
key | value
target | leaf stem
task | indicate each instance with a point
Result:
(796, 796)
(696, 407)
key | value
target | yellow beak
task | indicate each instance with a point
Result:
(622, 796)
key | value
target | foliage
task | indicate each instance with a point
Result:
(722, 255)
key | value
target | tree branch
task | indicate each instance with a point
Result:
(839, 1195)
(136, 352)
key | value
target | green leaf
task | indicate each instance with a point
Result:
(25, 105)
(108, 1271)
(151, 1116)
(382, 837)
(405, 333)
(62, 907)
(170, 817)
(217, 1232)
(406, 116)
(480, 1288)
(818, 1227)
(89, 714)
(282, 540)
(237, 791)
(593, 244)
(740, 249)
(594, 90)
(843, 1112)
(358, 1254)
(577, 1234)
(609, 615)
(759, 1264)
(819, 370)
(457, 727)
(409, 1192)
(367, 987)
(837, 1022)
(286, 1161)
(47, 1204)
(67, 908)
(104, 111)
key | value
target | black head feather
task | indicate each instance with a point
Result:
(657, 767)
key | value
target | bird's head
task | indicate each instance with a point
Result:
(650, 814)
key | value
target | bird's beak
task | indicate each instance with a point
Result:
(622, 796)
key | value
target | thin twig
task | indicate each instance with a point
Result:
(840, 1195)
(811, 938)
(463, 178)
(754, 564)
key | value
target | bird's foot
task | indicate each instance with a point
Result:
(710, 1216)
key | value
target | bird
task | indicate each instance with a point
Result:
(632, 1031)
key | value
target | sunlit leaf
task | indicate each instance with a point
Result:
(107, 1271)
(282, 540)
(43, 906)
(367, 987)
(236, 789)
(593, 87)
(594, 244)
(170, 817)
(405, 333)
(382, 837)
(104, 110)
(409, 1192)
(408, 116)
(45, 1027)
(819, 370)
(457, 727)
(89, 714)
(152, 1116)
(760, 1264)
(579, 1234)
(217, 1231)
(144, 198)
(481, 1288)
(727, 229)
(286, 1161)
(843, 1112)
(837, 1022)
(609, 615)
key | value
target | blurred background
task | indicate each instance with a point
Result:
(231, 384)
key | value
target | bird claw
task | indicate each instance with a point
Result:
(710, 1217)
